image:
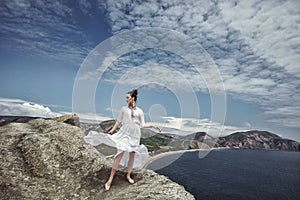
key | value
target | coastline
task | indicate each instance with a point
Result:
(154, 157)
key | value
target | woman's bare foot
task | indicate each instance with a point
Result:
(107, 185)
(130, 180)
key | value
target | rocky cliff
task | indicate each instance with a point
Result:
(198, 140)
(47, 159)
(257, 140)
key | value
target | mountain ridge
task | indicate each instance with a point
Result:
(160, 142)
(255, 139)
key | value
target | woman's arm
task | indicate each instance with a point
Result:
(151, 126)
(143, 125)
(114, 127)
(118, 121)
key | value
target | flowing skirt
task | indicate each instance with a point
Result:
(126, 139)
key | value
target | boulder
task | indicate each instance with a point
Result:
(72, 119)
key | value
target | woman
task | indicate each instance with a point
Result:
(127, 140)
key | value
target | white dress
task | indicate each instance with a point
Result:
(126, 139)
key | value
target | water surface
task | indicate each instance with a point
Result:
(236, 174)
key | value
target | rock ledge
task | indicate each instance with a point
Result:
(46, 159)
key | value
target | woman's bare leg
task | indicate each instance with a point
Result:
(130, 165)
(113, 170)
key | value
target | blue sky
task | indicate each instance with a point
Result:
(253, 44)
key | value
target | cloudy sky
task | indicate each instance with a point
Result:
(252, 47)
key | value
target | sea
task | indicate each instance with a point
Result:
(234, 173)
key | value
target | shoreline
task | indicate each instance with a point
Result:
(154, 157)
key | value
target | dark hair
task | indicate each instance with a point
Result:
(133, 93)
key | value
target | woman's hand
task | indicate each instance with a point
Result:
(112, 130)
(157, 128)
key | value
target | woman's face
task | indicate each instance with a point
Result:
(129, 99)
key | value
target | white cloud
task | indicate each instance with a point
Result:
(289, 122)
(85, 6)
(152, 73)
(271, 30)
(255, 45)
(17, 107)
(287, 110)
(185, 126)
(43, 28)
